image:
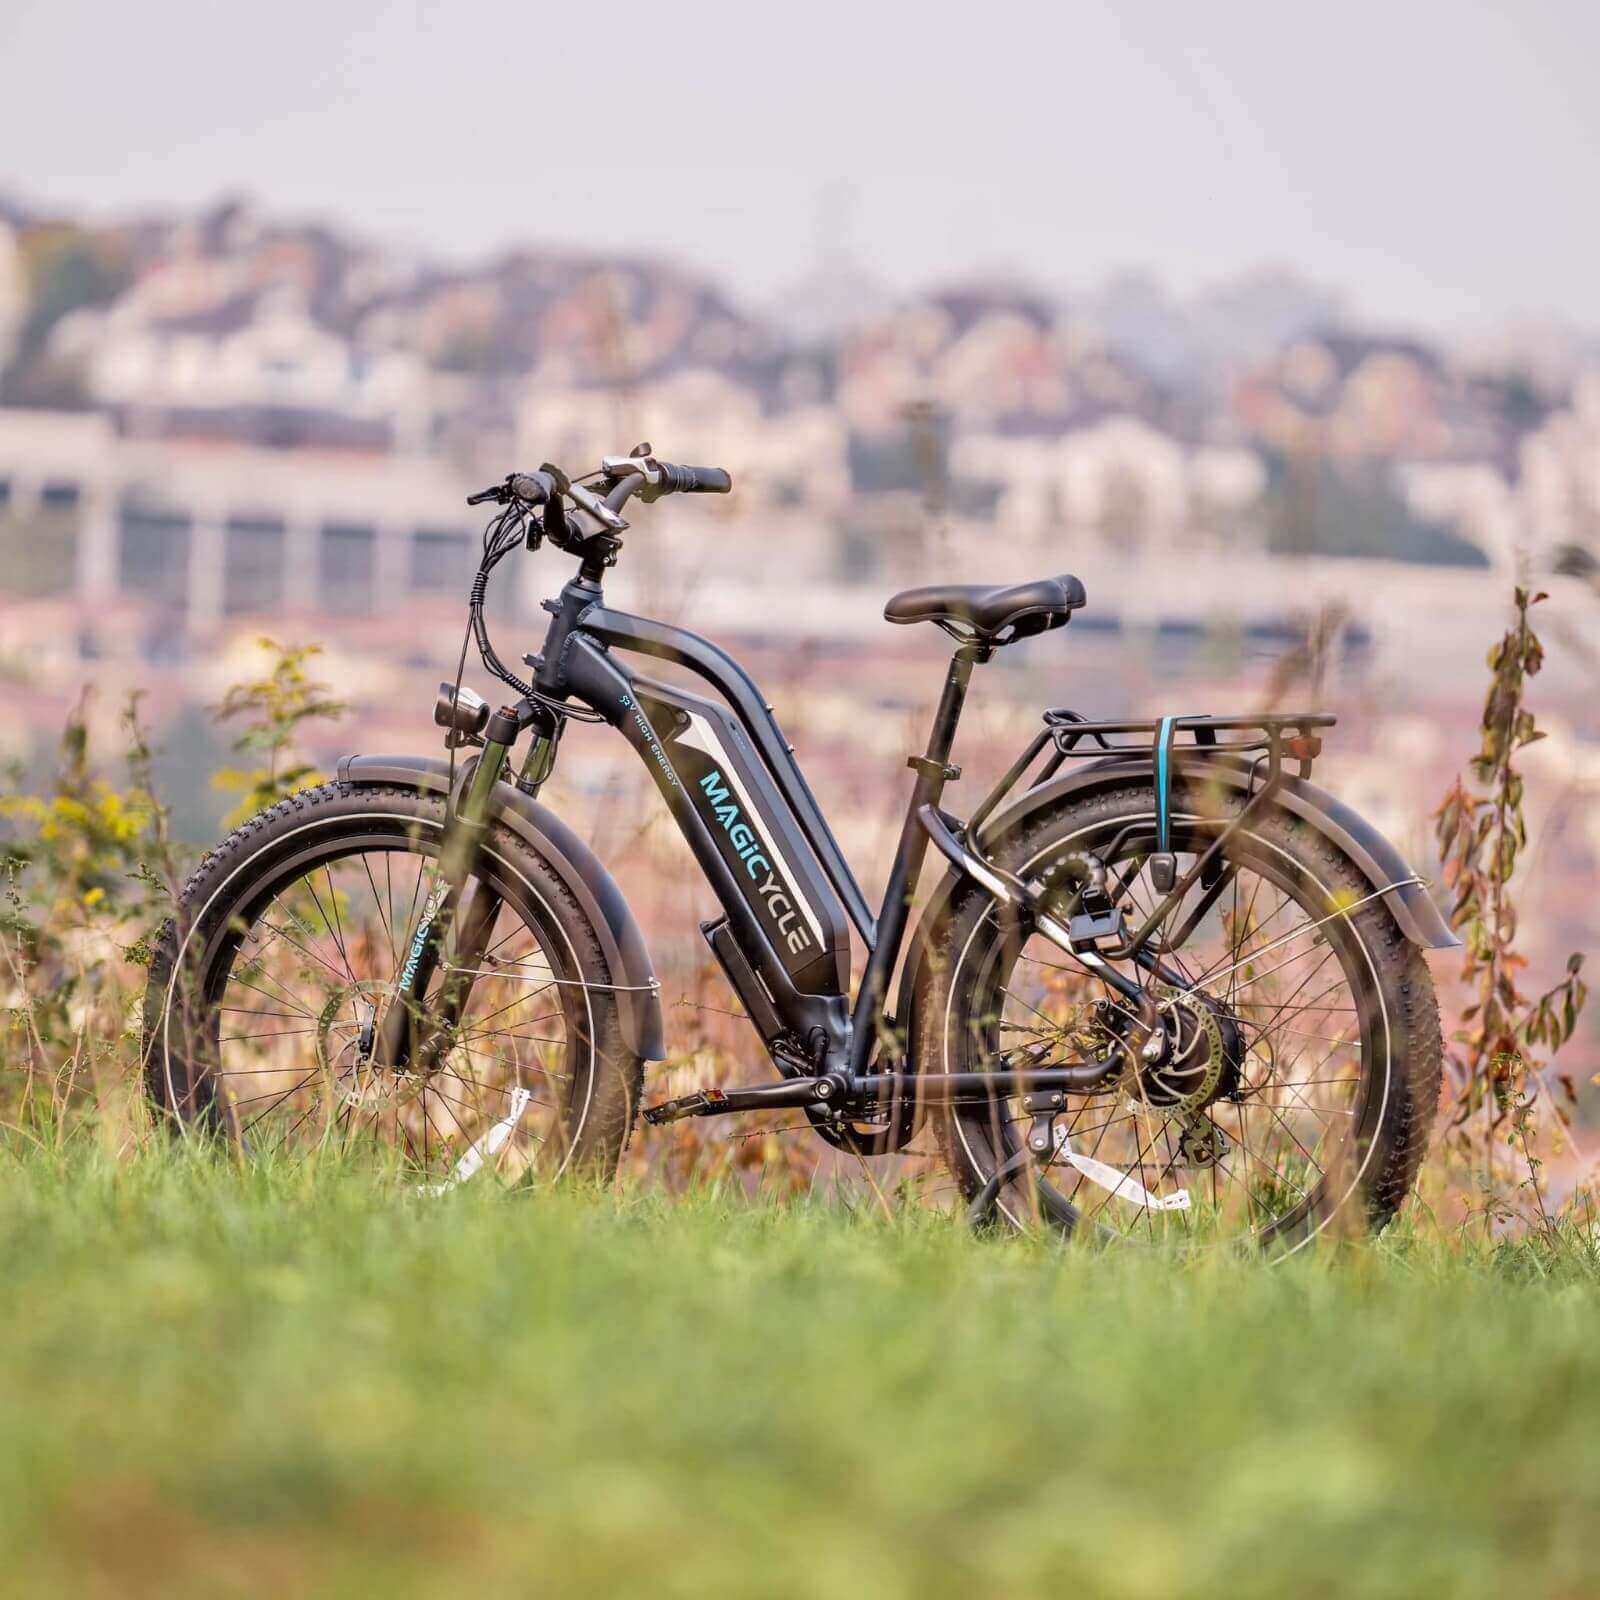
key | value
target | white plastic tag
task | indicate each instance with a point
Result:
(484, 1148)
(1122, 1184)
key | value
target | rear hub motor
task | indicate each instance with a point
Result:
(1194, 1059)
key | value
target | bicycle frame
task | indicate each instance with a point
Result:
(742, 803)
(788, 896)
(744, 807)
(1146, 1027)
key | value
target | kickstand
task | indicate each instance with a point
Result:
(1041, 1140)
(981, 1210)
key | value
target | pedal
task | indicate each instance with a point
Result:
(704, 1103)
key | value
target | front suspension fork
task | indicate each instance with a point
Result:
(408, 1029)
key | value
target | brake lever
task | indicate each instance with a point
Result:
(618, 467)
(556, 527)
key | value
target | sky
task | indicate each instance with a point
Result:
(1433, 162)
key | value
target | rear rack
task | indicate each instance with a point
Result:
(1167, 742)
(1268, 732)
(1270, 736)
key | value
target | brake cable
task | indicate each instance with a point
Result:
(504, 534)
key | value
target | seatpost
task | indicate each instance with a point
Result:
(933, 771)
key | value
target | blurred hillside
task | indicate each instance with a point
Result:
(1252, 419)
(215, 423)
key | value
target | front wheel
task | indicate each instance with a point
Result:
(273, 987)
(1281, 1068)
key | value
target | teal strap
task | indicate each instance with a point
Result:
(1164, 785)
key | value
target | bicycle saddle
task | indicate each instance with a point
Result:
(1028, 607)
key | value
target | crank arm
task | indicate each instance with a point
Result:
(759, 1097)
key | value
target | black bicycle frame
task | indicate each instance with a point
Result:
(731, 782)
(788, 896)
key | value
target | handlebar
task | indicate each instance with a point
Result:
(533, 487)
(575, 519)
(694, 480)
(643, 475)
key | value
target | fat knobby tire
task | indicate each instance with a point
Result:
(252, 849)
(1399, 1134)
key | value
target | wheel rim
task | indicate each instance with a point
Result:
(1289, 1139)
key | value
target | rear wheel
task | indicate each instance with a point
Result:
(273, 984)
(1283, 1069)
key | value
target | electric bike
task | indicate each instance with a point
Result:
(1165, 988)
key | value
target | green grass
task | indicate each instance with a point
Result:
(215, 1384)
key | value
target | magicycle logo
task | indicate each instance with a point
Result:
(420, 943)
(748, 847)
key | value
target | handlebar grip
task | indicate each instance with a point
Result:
(694, 480)
(534, 487)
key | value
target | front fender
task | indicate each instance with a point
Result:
(1409, 904)
(580, 870)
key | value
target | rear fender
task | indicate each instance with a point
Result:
(1380, 863)
(580, 870)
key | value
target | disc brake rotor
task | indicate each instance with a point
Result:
(346, 1030)
(1189, 1074)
